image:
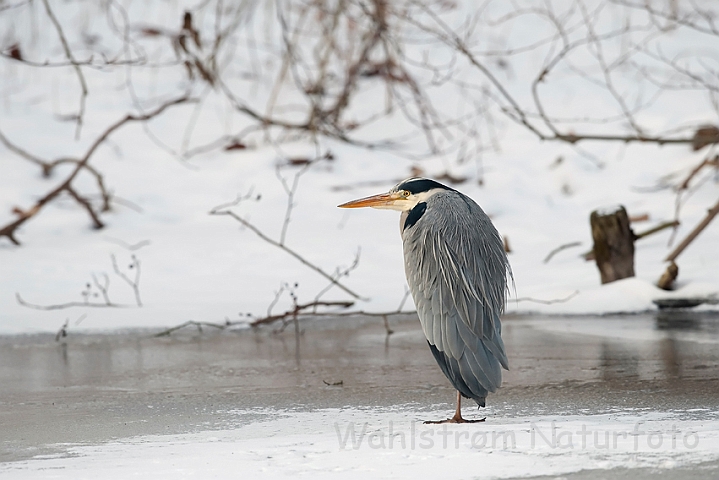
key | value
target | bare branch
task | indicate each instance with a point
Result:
(62, 333)
(45, 165)
(63, 330)
(80, 164)
(340, 273)
(285, 248)
(134, 284)
(658, 228)
(191, 323)
(290, 191)
(693, 234)
(103, 287)
(61, 306)
(548, 302)
(559, 249)
(82, 201)
(297, 309)
(75, 65)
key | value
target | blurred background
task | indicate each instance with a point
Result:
(165, 162)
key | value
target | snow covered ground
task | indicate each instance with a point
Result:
(356, 444)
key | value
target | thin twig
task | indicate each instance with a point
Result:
(548, 302)
(134, 284)
(297, 309)
(296, 314)
(61, 306)
(300, 258)
(693, 234)
(189, 323)
(63, 330)
(26, 155)
(48, 167)
(75, 65)
(9, 229)
(404, 299)
(339, 273)
(559, 249)
(103, 287)
(291, 192)
(658, 228)
(82, 201)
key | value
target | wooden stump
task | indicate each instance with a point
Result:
(613, 244)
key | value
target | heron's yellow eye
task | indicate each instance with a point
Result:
(405, 193)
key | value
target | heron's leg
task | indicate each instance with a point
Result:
(458, 412)
(457, 415)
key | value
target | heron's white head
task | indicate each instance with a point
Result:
(403, 197)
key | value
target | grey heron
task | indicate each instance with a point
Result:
(457, 271)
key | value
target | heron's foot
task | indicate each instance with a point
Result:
(455, 419)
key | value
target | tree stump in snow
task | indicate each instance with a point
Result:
(613, 243)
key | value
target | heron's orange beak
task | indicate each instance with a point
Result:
(381, 200)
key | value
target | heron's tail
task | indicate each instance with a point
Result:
(460, 376)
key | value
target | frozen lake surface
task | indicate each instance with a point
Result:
(587, 397)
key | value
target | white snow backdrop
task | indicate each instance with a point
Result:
(195, 266)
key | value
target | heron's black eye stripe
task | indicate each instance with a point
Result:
(414, 215)
(421, 185)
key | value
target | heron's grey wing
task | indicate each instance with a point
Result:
(457, 271)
